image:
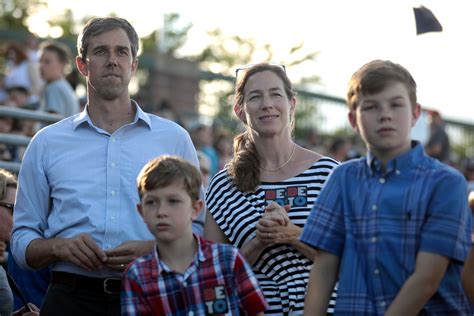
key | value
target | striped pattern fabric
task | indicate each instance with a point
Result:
(281, 270)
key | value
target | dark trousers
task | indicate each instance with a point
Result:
(65, 300)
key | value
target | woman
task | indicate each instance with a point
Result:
(260, 201)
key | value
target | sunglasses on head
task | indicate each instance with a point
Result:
(246, 67)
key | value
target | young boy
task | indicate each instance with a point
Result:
(393, 227)
(185, 274)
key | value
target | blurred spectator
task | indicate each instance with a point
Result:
(204, 165)
(468, 171)
(8, 125)
(438, 143)
(21, 72)
(339, 149)
(58, 95)
(3, 91)
(18, 96)
(223, 145)
(203, 140)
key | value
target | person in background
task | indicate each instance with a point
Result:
(76, 201)
(20, 72)
(204, 167)
(259, 203)
(384, 226)
(8, 185)
(199, 277)
(58, 96)
(203, 139)
(438, 145)
(339, 149)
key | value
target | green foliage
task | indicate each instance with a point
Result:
(14, 13)
(174, 36)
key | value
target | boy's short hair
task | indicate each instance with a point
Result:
(166, 170)
(62, 51)
(374, 76)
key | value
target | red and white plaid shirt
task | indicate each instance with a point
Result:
(219, 281)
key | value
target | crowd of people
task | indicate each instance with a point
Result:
(119, 211)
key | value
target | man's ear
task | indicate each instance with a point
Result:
(82, 66)
(134, 65)
(416, 112)
(197, 207)
(353, 120)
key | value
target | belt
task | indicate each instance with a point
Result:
(100, 285)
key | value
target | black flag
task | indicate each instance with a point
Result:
(426, 21)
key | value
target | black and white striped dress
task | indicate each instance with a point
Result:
(282, 271)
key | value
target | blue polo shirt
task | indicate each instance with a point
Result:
(377, 221)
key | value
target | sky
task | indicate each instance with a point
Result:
(346, 33)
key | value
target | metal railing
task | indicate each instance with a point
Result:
(20, 140)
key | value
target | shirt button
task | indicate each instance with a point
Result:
(113, 139)
(113, 192)
(374, 207)
(113, 164)
(376, 271)
(382, 180)
(382, 303)
(397, 172)
(112, 217)
(373, 239)
(191, 313)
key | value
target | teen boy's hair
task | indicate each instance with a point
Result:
(374, 76)
(166, 170)
(61, 50)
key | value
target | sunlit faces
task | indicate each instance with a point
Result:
(384, 121)
(109, 64)
(169, 211)
(267, 109)
(51, 68)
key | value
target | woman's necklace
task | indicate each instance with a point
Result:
(284, 164)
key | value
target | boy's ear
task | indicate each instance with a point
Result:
(139, 209)
(197, 207)
(353, 120)
(415, 114)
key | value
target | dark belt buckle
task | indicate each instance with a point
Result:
(106, 285)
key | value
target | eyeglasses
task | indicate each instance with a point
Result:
(246, 67)
(8, 205)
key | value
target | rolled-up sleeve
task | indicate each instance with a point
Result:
(32, 201)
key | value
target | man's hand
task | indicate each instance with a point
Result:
(118, 258)
(81, 250)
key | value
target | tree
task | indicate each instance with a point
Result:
(225, 53)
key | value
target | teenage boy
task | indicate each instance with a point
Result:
(393, 227)
(184, 274)
(58, 95)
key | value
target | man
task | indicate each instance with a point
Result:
(76, 199)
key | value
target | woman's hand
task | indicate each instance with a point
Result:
(275, 226)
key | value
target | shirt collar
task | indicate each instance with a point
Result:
(403, 162)
(84, 117)
(162, 267)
